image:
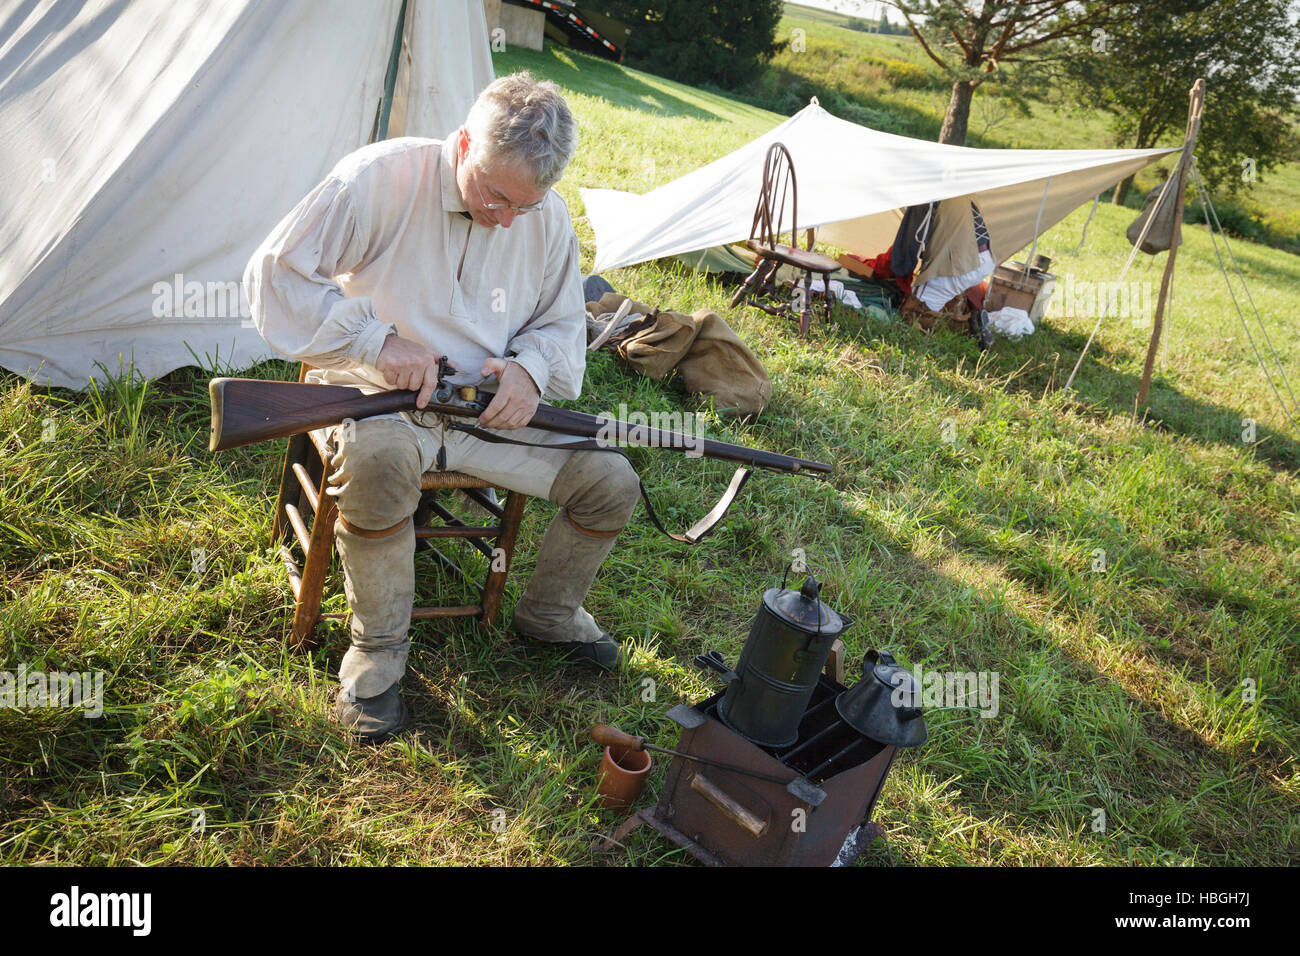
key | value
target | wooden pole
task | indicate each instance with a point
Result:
(1197, 97)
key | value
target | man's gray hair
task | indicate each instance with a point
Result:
(519, 119)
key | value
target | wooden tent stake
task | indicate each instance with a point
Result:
(1197, 98)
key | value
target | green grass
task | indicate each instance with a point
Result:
(1120, 688)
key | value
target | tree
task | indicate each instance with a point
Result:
(1247, 50)
(974, 42)
(696, 41)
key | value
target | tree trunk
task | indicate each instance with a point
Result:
(1147, 134)
(955, 120)
(1121, 191)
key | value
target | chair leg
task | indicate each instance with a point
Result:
(758, 283)
(315, 567)
(767, 281)
(495, 585)
(805, 314)
(750, 281)
(290, 488)
(830, 298)
(302, 452)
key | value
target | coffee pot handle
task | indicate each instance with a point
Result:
(874, 657)
(713, 660)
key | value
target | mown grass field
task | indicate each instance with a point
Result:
(1121, 689)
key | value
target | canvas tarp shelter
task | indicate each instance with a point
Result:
(148, 146)
(854, 183)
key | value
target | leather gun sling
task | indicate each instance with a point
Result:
(697, 531)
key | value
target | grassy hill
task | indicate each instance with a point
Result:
(1126, 578)
(888, 82)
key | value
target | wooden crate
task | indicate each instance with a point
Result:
(1013, 288)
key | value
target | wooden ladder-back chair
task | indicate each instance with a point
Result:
(305, 513)
(780, 185)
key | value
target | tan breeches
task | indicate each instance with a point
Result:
(375, 471)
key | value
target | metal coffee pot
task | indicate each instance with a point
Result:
(885, 705)
(785, 652)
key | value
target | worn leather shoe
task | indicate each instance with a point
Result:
(979, 327)
(372, 719)
(605, 654)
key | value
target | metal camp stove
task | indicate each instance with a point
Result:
(821, 816)
(784, 766)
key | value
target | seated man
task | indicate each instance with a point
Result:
(414, 249)
(956, 256)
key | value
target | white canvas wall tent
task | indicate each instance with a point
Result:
(854, 184)
(148, 146)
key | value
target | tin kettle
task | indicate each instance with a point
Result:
(787, 647)
(885, 705)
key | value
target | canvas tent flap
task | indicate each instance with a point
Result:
(149, 146)
(448, 63)
(852, 183)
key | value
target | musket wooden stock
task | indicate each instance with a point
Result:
(248, 410)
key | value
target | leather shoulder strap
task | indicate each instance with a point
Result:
(697, 532)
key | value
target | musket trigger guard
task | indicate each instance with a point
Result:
(418, 415)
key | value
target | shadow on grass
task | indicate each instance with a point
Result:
(1100, 384)
(1048, 357)
(1084, 741)
(599, 79)
(786, 92)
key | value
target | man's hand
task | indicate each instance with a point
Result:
(516, 400)
(407, 364)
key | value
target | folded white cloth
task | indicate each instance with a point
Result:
(1012, 323)
(847, 296)
(937, 292)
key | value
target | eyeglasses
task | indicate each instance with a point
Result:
(529, 207)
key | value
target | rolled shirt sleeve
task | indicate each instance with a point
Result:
(296, 303)
(552, 345)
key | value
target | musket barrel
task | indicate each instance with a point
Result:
(594, 426)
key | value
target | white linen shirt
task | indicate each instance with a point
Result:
(380, 246)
